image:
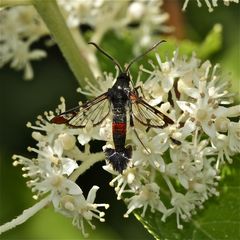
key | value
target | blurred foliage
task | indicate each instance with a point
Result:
(22, 101)
(210, 44)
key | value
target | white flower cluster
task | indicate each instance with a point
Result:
(182, 161)
(188, 154)
(20, 27)
(210, 4)
(139, 18)
(50, 171)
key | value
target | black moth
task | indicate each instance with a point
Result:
(121, 99)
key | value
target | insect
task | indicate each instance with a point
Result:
(121, 99)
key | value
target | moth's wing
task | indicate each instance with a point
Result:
(94, 112)
(146, 114)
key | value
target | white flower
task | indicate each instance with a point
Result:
(207, 96)
(55, 153)
(146, 195)
(47, 170)
(183, 206)
(101, 86)
(167, 72)
(202, 114)
(152, 155)
(67, 141)
(105, 131)
(131, 177)
(101, 132)
(22, 57)
(210, 3)
(144, 17)
(46, 132)
(138, 19)
(80, 209)
(221, 146)
(51, 171)
(205, 182)
(135, 11)
(182, 166)
(81, 12)
(20, 27)
(227, 2)
(88, 133)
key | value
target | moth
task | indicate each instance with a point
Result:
(121, 99)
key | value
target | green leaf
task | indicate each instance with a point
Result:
(220, 218)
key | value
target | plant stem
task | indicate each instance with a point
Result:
(82, 45)
(25, 215)
(51, 15)
(12, 3)
(97, 157)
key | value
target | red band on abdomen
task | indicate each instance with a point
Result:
(119, 128)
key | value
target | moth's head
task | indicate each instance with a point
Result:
(124, 76)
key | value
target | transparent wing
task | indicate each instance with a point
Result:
(94, 111)
(147, 114)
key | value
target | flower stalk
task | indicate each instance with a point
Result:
(76, 58)
(25, 215)
(86, 165)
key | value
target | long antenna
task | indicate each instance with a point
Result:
(143, 54)
(107, 55)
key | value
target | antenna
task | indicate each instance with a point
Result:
(107, 55)
(143, 54)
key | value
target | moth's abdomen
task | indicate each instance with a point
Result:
(119, 128)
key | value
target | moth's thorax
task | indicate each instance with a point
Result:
(119, 93)
(119, 99)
